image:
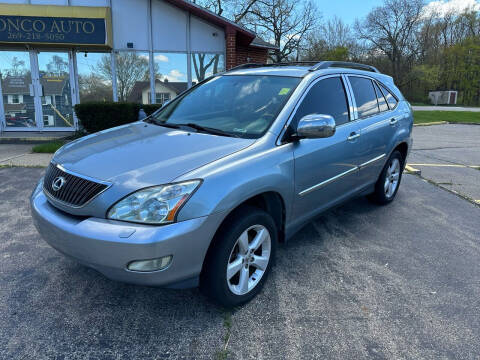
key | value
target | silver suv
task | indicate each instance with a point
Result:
(201, 192)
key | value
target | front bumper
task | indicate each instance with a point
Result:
(109, 245)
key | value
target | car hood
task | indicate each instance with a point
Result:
(141, 154)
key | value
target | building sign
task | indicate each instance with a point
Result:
(54, 30)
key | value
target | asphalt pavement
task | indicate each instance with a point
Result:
(359, 282)
(449, 156)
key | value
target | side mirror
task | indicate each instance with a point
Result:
(315, 126)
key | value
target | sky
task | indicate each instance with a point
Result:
(349, 10)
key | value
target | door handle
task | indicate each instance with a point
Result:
(353, 136)
(393, 121)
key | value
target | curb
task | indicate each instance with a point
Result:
(411, 170)
(33, 141)
(432, 123)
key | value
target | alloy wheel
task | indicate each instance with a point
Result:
(248, 259)
(392, 177)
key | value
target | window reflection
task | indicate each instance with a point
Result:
(94, 76)
(365, 96)
(133, 73)
(15, 79)
(56, 99)
(205, 65)
(170, 77)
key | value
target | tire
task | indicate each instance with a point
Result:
(385, 191)
(230, 250)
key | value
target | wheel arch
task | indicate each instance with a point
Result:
(402, 147)
(271, 202)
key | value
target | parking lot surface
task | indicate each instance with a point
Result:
(10, 151)
(445, 108)
(449, 155)
(361, 281)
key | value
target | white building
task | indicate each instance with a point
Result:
(447, 97)
(108, 50)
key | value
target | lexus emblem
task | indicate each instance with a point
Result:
(58, 183)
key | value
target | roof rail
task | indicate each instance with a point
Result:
(345, 64)
(246, 66)
(315, 65)
(290, 63)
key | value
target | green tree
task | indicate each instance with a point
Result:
(130, 67)
(462, 70)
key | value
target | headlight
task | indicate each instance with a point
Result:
(154, 205)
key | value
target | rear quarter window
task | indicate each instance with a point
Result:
(382, 102)
(391, 100)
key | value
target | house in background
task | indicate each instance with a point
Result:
(164, 91)
(19, 104)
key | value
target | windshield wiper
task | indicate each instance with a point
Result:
(161, 123)
(208, 130)
(197, 127)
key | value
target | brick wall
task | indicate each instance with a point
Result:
(231, 50)
(239, 54)
(247, 54)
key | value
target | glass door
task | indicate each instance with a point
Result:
(37, 88)
(54, 69)
(17, 101)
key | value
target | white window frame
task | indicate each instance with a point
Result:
(19, 98)
(44, 98)
(48, 118)
(162, 97)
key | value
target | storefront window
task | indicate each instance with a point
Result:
(54, 71)
(205, 65)
(94, 76)
(133, 76)
(170, 76)
(16, 80)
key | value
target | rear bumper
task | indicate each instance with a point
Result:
(108, 245)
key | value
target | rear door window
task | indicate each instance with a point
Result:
(365, 96)
(382, 103)
(391, 100)
(326, 97)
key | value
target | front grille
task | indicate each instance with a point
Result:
(76, 191)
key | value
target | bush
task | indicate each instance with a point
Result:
(150, 109)
(97, 116)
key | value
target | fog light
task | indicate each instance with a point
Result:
(150, 265)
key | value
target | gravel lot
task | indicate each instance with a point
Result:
(397, 282)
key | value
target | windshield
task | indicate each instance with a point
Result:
(235, 105)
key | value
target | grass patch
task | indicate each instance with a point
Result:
(50, 147)
(222, 354)
(468, 117)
